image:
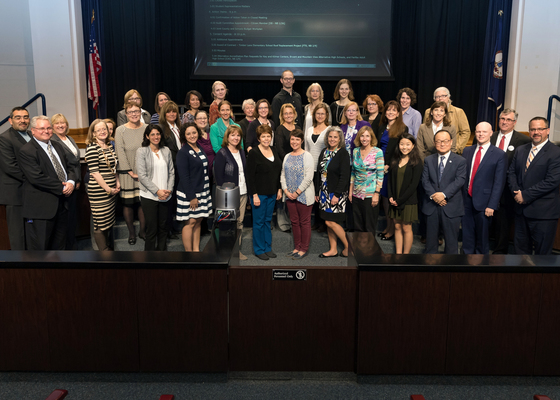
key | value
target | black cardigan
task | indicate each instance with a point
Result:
(393, 142)
(226, 168)
(263, 175)
(338, 173)
(411, 179)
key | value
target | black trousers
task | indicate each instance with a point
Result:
(155, 213)
(48, 234)
(365, 216)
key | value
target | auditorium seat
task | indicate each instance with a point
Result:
(417, 397)
(58, 394)
(166, 397)
(540, 397)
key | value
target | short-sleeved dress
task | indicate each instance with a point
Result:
(102, 204)
(127, 141)
(204, 208)
(410, 212)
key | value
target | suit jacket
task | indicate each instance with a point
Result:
(11, 179)
(539, 184)
(489, 180)
(42, 190)
(72, 159)
(425, 140)
(517, 139)
(452, 181)
(458, 119)
(145, 168)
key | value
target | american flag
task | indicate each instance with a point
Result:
(94, 68)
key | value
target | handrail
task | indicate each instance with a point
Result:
(44, 101)
(549, 113)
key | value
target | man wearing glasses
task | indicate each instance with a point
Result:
(443, 178)
(11, 179)
(534, 180)
(49, 181)
(287, 95)
(508, 140)
(456, 116)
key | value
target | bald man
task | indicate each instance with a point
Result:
(486, 173)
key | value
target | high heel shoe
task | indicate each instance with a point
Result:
(392, 237)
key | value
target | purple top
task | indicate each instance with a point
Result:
(350, 136)
(206, 145)
(413, 119)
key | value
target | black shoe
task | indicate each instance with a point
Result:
(132, 241)
(262, 256)
(271, 254)
(324, 256)
(342, 255)
(388, 238)
(380, 234)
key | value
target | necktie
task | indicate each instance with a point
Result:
(57, 167)
(530, 158)
(502, 143)
(474, 169)
(441, 167)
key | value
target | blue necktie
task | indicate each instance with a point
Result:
(441, 166)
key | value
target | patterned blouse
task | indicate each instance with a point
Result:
(294, 172)
(367, 174)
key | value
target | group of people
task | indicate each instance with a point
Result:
(284, 157)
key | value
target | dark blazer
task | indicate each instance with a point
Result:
(42, 190)
(517, 139)
(338, 173)
(452, 181)
(190, 169)
(226, 168)
(408, 194)
(170, 142)
(11, 178)
(72, 159)
(490, 177)
(393, 142)
(539, 184)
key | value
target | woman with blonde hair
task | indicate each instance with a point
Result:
(60, 128)
(288, 115)
(104, 184)
(315, 96)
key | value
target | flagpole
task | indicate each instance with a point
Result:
(93, 19)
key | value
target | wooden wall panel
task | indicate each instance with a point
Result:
(293, 325)
(493, 323)
(402, 322)
(182, 319)
(548, 343)
(93, 324)
(23, 321)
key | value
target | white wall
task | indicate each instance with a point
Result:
(42, 52)
(535, 65)
(17, 78)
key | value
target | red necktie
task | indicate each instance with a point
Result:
(475, 167)
(502, 142)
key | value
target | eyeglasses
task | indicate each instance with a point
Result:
(43, 129)
(539, 130)
(441, 96)
(201, 119)
(371, 104)
(134, 98)
(291, 78)
(507, 119)
(440, 142)
(133, 112)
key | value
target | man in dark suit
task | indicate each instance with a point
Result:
(11, 179)
(507, 139)
(443, 177)
(49, 180)
(534, 180)
(486, 171)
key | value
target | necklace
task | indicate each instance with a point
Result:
(107, 161)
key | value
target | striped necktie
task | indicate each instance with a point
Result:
(57, 167)
(530, 158)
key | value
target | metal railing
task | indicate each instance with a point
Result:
(31, 100)
(550, 100)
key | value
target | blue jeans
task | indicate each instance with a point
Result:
(262, 215)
